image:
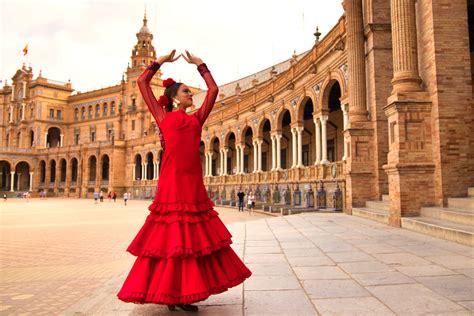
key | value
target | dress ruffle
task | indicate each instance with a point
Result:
(183, 280)
(176, 235)
(167, 207)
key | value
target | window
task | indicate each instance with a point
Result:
(104, 110)
(90, 112)
(83, 114)
(112, 108)
(92, 136)
(76, 139)
(51, 113)
(59, 114)
(97, 110)
(133, 125)
(76, 114)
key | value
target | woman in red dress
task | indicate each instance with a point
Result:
(183, 249)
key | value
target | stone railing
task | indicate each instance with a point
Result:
(330, 171)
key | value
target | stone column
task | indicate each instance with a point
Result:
(255, 156)
(345, 114)
(242, 148)
(210, 163)
(293, 151)
(57, 177)
(18, 180)
(259, 155)
(224, 155)
(410, 164)
(404, 43)
(356, 60)
(221, 162)
(61, 140)
(46, 140)
(299, 131)
(133, 172)
(318, 140)
(273, 151)
(278, 151)
(237, 159)
(206, 164)
(157, 169)
(12, 180)
(23, 111)
(324, 159)
(143, 171)
(31, 181)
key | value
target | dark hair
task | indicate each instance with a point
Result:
(171, 92)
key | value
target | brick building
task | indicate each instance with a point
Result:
(376, 119)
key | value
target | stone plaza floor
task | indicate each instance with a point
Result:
(68, 257)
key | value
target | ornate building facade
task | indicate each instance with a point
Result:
(379, 110)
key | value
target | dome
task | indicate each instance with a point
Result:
(144, 29)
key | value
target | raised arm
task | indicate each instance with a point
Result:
(203, 112)
(157, 111)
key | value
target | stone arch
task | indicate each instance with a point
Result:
(52, 171)
(335, 123)
(63, 170)
(74, 169)
(300, 110)
(326, 90)
(279, 117)
(216, 157)
(54, 136)
(150, 167)
(6, 166)
(42, 169)
(105, 170)
(138, 167)
(266, 117)
(92, 161)
(22, 176)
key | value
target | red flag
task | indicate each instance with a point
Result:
(25, 50)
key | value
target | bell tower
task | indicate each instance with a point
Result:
(143, 53)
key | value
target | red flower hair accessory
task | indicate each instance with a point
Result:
(163, 101)
(168, 82)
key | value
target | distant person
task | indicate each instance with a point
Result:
(109, 196)
(125, 198)
(114, 196)
(241, 195)
(4, 197)
(96, 196)
(101, 196)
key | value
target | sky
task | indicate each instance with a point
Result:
(90, 41)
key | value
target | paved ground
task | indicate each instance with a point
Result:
(68, 257)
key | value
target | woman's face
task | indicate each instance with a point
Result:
(184, 96)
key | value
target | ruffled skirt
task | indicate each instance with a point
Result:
(183, 256)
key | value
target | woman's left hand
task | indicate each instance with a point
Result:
(190, 58)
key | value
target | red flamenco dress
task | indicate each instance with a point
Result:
(183, 249)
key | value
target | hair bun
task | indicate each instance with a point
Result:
(168, 82)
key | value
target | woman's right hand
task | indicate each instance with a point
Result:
(168, 58)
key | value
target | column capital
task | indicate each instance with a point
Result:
(324, 118)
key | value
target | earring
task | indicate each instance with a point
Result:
(175, 103)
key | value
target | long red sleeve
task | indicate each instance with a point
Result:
(203, 112)
(156, 110)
